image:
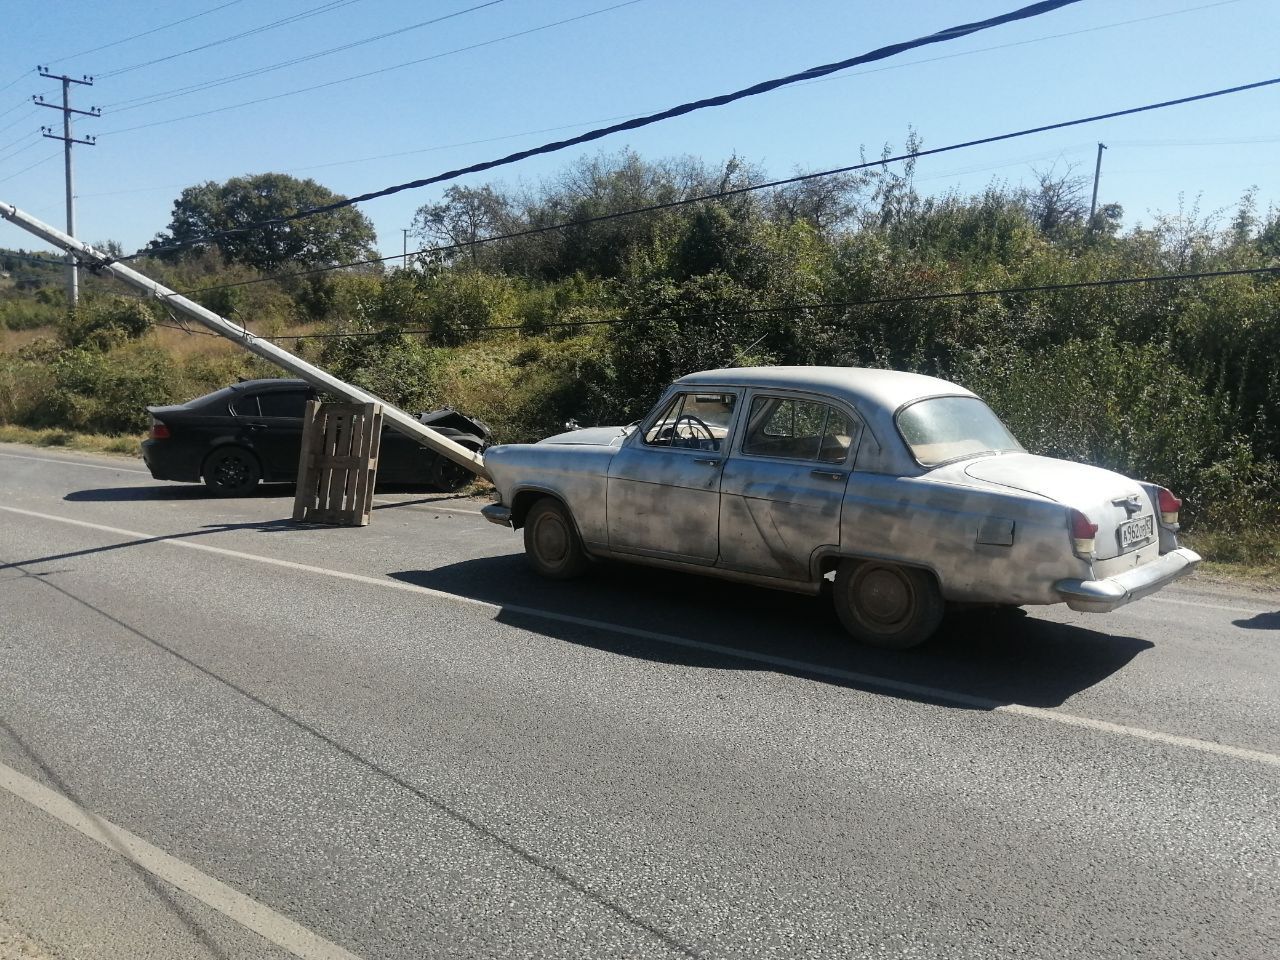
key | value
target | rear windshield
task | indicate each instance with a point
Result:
(941, 429)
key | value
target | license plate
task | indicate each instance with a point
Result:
(1134, 532)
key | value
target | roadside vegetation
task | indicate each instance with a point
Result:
(1173, 381)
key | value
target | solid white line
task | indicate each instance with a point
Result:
(74, 463)
(786, 663)
(432, 505)
(1209, 606)
(249, 913)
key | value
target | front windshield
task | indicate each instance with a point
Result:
(952, 428)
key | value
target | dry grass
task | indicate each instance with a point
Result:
(1252, 556)
(126, 445)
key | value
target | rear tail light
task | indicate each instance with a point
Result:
(159, 431)
(1169, 507)
(1083, 532)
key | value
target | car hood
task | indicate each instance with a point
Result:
(1075, 484)
(592, 436)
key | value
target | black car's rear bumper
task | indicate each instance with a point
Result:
(169, 461)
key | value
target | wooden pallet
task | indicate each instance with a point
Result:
(339, 463)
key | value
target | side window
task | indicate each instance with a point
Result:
(798, 430)
(693, 421)
(246, 406)
(288, 403)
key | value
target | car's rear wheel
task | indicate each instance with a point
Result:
(551, 541)
(231, 472)
(887, 605)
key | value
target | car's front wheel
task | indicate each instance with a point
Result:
(887, 605)
(231, 472)
(551, 541)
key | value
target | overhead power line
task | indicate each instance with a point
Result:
(379, 71)
(736, 191)
(26, 116)
(781, 308)
(284, 21)
(942, 36)
(589, 123)
(146, 33)
(18, 173)
(149, 99)
(827, 305)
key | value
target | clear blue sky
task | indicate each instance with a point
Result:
(463, 107)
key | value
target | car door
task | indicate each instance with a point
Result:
(663, 494)
(277, 430)
(782, 490)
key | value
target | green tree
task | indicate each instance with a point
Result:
(211, 209)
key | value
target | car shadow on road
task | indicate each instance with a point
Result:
(195, 491)
(978, 660)
(1260, 621)
(265, 491)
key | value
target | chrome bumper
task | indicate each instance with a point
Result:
(1103, 596)
(499, 514)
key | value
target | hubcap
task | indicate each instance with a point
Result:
(552, 539)
(884, 596)
(232, 473)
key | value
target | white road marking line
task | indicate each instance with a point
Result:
(74, 463)
(258, 917)
(786, 663)
(1210, 606)
(426, 506)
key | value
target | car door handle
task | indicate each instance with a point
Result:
(709, 461)
(828, 474)
(257, 426)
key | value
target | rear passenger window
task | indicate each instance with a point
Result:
(798, 430)
(246, 406)
(283, 404)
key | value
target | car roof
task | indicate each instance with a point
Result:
(863, 386)
(272, 383)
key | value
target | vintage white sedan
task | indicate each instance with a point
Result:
(906, 488)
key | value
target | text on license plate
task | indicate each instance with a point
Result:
(1137, 531)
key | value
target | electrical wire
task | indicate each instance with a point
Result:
(374, 73)
(801, 307)
(21, 119)
(33, 143)
(941, 36)
(781, 308)
(324, 8)
(52, 156)
(134, 103)
(145, 33)
(726, 194)
(583, 123)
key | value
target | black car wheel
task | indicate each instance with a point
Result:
(231, 472)
(885, 605)
(551, 542)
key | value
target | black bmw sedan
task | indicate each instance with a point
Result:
(252, 431)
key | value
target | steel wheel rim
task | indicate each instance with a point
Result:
(551, 539)
(883, 598)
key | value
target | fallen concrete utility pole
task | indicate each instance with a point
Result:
(395, 418)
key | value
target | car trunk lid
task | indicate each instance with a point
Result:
(1119, 506)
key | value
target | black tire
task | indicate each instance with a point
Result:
(551, 542)
(231, 472)
(447, 476)
(886, 605)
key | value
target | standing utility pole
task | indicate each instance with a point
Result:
(73, 271)
(1097, 173)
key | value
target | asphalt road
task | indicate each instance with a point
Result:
(223, 735)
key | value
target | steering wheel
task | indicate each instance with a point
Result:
(695, 424)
